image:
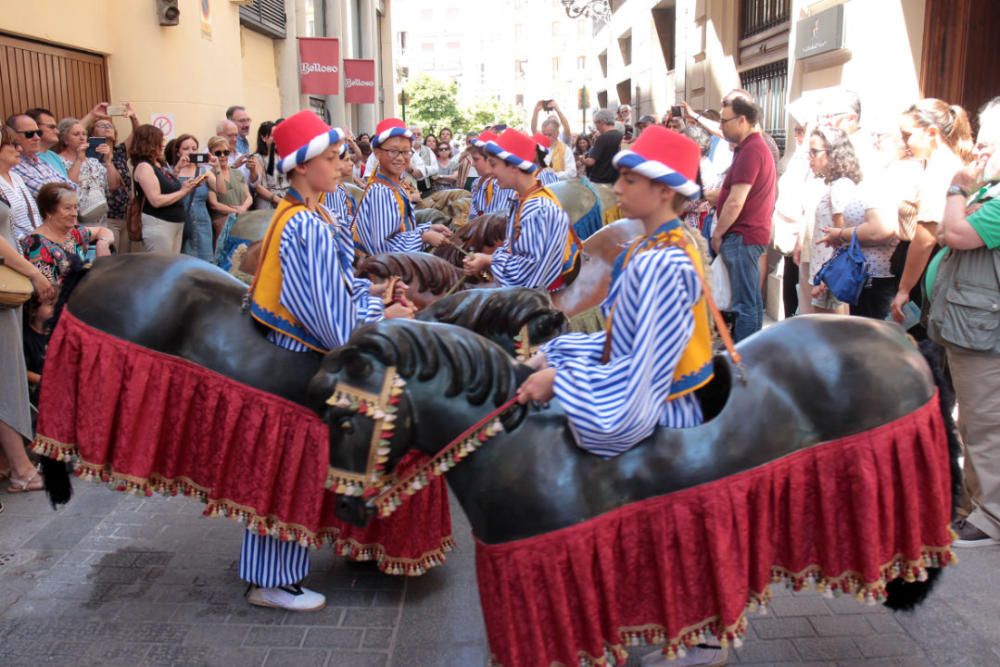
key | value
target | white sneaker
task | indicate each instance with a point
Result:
(695, 656)
(292, 598)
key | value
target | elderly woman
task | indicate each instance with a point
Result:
(15, 410)
(231, 195)
(92, 175)
(23, 211)
(60, 237)
(118, 195)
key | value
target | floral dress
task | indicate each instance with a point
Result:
(54, 259)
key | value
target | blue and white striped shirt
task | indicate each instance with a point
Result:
(318, 285)
(500, 201)
(535, 258)
(612, 407)
(378, 223)
(547, 176)
(342, 204)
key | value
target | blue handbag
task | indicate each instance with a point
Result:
(846, 273)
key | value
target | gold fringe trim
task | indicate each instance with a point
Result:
(262, 525)
(847, 583)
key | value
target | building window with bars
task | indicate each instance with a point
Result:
(757, 16)
(769, 86)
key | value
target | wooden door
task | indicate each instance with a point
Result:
(960, 63)
(33, 74)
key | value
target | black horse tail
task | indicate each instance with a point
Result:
(901, 595)
(57, 473)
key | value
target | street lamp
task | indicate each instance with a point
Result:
(598, 9)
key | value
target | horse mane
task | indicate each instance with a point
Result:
(502, 310)
(486, 231)
(423, 270)
(422, 350)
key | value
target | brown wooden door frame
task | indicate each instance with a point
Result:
(66, 81)
(945, 49)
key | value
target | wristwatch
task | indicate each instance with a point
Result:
(957, 190)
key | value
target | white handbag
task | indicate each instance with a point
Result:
(722, 290)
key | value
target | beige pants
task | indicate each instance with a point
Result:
(161, 236)
(977, 388)
(117, 227)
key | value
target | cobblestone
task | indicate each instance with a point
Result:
(131, 582)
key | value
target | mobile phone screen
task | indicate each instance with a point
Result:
(92, 144)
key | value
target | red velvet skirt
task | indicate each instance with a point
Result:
(145, 422)
(848, 516)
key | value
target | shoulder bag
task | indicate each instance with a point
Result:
(15, 289)
(133, 212)
(846, 273)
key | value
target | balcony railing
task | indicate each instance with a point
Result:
(757, 16)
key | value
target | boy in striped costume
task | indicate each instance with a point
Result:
(617, 386)
(546, 175)
(305, 292)
(384, 221)
(342, 205)
(487, 194)
(541, 249)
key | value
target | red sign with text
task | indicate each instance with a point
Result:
(319, 66)
(359, 81)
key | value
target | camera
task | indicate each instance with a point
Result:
(198, 158)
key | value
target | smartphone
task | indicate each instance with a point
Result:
(548, 105)
(676, 112)
(116, 109)
(92, 144)
(198, 158)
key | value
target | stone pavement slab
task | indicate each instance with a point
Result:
(113, 579)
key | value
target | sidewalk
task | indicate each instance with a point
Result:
(113, 579)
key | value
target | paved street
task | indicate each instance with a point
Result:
(117, 580)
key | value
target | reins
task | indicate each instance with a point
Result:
(450, 455)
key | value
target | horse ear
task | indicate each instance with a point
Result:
(354, 362)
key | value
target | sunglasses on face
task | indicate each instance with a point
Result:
(221, 153)
(31, 134)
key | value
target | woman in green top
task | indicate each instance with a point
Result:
(231, 195)
(965, 318)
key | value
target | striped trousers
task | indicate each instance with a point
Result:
(267, 562)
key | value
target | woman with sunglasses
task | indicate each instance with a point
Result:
(447, 174)
(231, 195)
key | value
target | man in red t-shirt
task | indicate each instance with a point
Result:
(745, 206)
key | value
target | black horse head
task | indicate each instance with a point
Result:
(502, 315)
(447, 378)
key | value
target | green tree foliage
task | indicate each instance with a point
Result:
(433, 104)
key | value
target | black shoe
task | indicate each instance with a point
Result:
(970, 536)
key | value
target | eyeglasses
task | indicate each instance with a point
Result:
(816, 151)
(104, 126)
(393, 153)
(221, 153)
(30, 134)
(723, 121)
(444, 149)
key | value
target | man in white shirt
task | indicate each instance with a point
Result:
(560, 157)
